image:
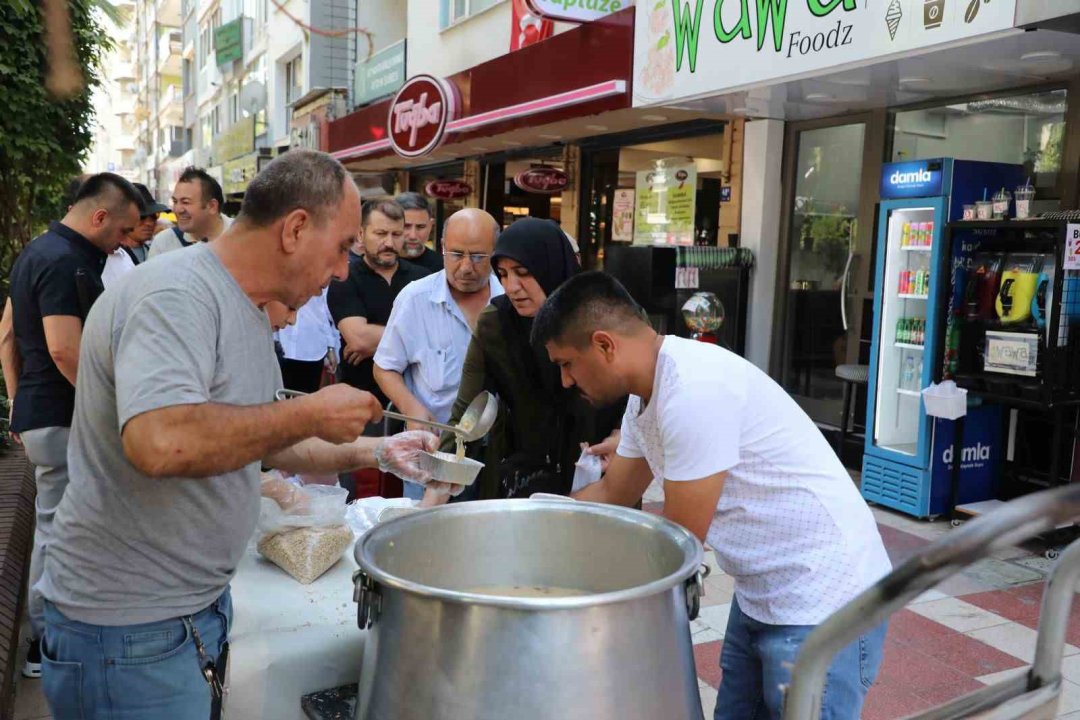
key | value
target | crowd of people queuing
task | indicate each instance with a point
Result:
(143, 359)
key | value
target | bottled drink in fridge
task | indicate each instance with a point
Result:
(907, 378)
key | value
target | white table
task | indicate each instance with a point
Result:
(289, 639)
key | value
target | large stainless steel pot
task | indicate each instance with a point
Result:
(438, 651)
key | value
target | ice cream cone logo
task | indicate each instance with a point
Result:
(892, 18)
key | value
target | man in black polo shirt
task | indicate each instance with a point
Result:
(53, 284)
(418, 226)
(361, 304)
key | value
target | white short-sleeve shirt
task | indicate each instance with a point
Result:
(790, 525)
(426, 339)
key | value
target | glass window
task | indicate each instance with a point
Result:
(453, 11)
(1027, 130)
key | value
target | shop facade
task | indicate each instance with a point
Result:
(844, 88)
(559, 147)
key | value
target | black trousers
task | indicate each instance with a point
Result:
(301, 375)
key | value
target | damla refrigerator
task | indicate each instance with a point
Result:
(908, 455)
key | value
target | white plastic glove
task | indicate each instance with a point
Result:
(400, 454)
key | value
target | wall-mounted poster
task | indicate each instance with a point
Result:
(622, 216)
(664, 203)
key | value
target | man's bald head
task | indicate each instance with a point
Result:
(468, 241)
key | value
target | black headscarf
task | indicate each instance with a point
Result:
(543, 248)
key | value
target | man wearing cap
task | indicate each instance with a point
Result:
(197, 201)
(133, 247)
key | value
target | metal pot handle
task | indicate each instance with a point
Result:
(367, 599)
(695, 590)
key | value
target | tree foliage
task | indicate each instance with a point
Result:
(43, 141)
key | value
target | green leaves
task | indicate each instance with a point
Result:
(42, 141)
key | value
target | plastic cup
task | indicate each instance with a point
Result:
(984, 210)
(1001, 201)
(1024, 196)
(969, 212)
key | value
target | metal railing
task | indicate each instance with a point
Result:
(1033, 696)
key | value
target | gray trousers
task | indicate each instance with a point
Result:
(46, 448)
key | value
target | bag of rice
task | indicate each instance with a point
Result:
(306, 539)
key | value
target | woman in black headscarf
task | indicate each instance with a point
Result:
(541, 425)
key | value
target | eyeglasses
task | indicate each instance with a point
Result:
(474, 258)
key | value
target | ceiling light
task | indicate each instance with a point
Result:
(913, 80)
(819, 97)
(654, 118)
(740, 110)
(478, 149)
(596, 128)
(1040, 55)
(548, 136)
(512, 143)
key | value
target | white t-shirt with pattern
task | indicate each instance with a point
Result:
(790, 525)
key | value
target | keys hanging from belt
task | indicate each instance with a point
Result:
(209, 670)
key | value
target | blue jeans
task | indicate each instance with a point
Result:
(757, 660)
(132, 672)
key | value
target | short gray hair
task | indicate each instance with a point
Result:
(297, 180)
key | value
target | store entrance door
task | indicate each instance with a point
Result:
(825, 266)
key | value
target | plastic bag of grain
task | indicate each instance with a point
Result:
(306, 538)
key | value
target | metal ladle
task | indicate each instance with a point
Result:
(474, 424)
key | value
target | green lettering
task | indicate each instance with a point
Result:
(821, 8)
(777, 9)
(741, 28)
(686, 33)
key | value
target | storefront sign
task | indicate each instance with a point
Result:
(237, 174)
(419, 114)
(542, 180)
(527, 27)
(229, 41)
(622, 216)
(577, 10)
(380, 75)
(921, 178)
(665, 203)
(680, 44)
(448, 189)
(236, 141)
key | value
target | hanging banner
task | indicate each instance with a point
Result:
(664, 203)
(527, 27)
(680, 44)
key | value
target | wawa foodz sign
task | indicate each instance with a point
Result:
(692, 48)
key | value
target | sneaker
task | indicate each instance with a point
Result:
(32, 667)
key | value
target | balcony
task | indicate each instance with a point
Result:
(171, 106)
(168, 12)
(123, 72)
(170, 46)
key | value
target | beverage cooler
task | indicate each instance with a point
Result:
(901, 468)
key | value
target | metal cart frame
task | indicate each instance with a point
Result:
(1032, 696)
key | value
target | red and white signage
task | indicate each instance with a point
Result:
(542, 180)
(527, 27)
(419, 115)
(430, 136)
(448, 189)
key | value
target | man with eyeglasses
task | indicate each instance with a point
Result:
(361, 304)
(419, 360)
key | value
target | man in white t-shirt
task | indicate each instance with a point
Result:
(744, 469)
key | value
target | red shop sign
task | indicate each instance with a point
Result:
(448, 189)
(419, 114)
(542, 180)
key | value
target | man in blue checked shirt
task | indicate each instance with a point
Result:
(418, 362)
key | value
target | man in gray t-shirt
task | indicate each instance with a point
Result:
(174, 413)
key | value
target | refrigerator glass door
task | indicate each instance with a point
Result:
(903, 329)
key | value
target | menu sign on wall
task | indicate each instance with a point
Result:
(679, 44)
(664, 205)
